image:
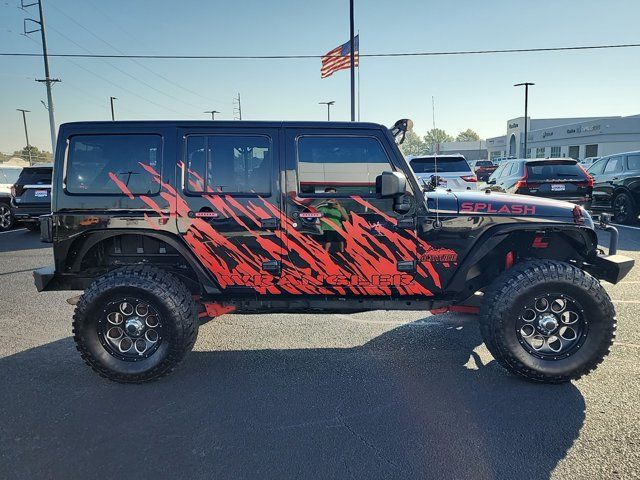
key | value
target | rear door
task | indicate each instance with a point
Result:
(606, 181)
(229, 207)
(596, 171)
(343, 239)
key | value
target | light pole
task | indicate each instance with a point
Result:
(526, 108)
(328, 104)
(213, 113)
(113, 115)
(26, 132)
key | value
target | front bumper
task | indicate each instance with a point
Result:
(610, 268)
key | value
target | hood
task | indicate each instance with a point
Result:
(494, 203)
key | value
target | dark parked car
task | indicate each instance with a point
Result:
(483, 169)
(617, 186)
(557, 178)
(164, 224)
(31, 195)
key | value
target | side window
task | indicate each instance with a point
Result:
(238, 164)
(113, 164)
(349, 165)
(614, 165)
(633, 162)
(515, 166)
(498, 173)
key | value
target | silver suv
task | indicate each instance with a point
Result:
(448, 171)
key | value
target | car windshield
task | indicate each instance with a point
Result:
(9, 175)
(445, 164)
(562, 169)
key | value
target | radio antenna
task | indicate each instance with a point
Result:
(435, 161)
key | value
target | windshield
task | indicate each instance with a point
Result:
(36, 176)
(445, 165)
(554, 170)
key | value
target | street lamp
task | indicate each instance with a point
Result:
(113, 115)
(328, 104)
(213, 113)
(526, 107)
(26, 132)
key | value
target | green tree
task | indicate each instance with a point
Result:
(467, 136)
(434, 138)
(37, 155)
(413, 144)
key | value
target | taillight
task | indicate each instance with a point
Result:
(521, 184)
(469, 178)
(13, 191)
(590, 182)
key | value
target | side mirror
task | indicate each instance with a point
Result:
(391, 184)
(491, 181)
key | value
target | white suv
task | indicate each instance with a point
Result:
(451, 171)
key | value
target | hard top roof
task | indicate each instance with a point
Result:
(224, 124)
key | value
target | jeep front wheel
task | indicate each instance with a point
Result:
(547, 321)
(135, 324)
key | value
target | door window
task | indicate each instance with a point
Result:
(343, 165)
(235, 164)
(633, 162)
(614, 165)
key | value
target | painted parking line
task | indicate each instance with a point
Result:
(14, 231)
(626, 301)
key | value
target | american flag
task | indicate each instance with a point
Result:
(339, 58)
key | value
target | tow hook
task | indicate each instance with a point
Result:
(605, 224)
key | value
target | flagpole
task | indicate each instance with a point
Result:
(352, 57)
(358, 75)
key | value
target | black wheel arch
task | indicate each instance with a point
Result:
(485, 258)
(70, 261)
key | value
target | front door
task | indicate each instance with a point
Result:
(229, 207)
(341, 237)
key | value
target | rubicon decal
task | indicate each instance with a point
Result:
(497, 208)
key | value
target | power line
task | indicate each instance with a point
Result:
(287, 57)
(93, 34)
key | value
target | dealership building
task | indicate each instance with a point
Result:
(567, 137)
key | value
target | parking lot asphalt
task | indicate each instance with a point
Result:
(368, 395)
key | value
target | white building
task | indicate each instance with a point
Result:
(567, 137)
(474, 150)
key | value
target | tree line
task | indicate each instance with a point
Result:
(37, 155)
(416, 145)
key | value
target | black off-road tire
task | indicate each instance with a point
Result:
(162, 291)
(630, 215)
(509, 293)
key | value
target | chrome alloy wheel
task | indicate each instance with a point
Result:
(551, 326)
(5, 217)
(130, 329)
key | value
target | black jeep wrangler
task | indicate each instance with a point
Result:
(167, 224)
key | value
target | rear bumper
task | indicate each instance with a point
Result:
(29, 213)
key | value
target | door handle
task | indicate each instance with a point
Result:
(271, 222)
(272, 266)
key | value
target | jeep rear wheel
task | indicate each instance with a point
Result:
(135, 324)
(547, 321)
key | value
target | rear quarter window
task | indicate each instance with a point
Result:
(113, 164)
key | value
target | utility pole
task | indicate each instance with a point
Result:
(328, 104)
(352, 62)
(526, 113)
(237, 110)
(26, 132)
(113, 115)
(47, 80)
(213, 113)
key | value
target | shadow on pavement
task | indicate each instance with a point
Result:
(17, 240)
(407, 404)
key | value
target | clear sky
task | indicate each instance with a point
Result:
(470, 92)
